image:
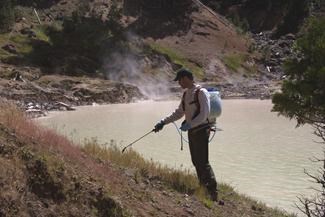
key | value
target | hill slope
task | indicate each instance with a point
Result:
(44, 174)
(148, 45)
(192, 31)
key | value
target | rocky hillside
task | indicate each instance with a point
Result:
(61, 53)
(147, 43)
(107, 51)
(280, 16)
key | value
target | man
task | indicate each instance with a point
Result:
(195, 105)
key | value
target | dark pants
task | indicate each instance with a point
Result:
(199, 148)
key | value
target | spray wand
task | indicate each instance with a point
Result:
(214, 129)
(137, 140)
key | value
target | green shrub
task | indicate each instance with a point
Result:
(7, 15)
(180, 180)
(177, 59)
(75, 44)
(303, 92)
(241, 23)
(234, 61)
(37, 3)
(302, 98)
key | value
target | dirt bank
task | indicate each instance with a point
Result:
(37, 93)
(44, 174)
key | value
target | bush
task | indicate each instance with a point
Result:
(37, 3)
(84, 35)
(303, 93)
(235, 61)
(296, 11)
(78, 43)
(7, 16)
(83, 40)
(303, 98)
(241, 23)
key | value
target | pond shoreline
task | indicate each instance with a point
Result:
(240, 153)
(39, 95)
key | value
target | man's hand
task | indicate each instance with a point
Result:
(185, 126)
(159, 126)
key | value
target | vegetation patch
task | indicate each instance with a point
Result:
(106, 206)
(177, 59)
(48, 168)
(22, 46)
(302, 98)
(7, 16)
(183, 181)
(242, 25)
(240, 62)
(234, 61)
(45, 177)
(4, 39)
(40, 32)
(73, 45)
(180, 180)
(45, 181)
(22, 43)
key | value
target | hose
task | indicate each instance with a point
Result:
(213, 127)
(180, 133)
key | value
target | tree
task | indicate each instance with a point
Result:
(303, 93)
(303, 97)
(7, 16)
(37, 3)
(315, 207)
(82, 41)
(296, 12)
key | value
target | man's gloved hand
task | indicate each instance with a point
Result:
(159, 126)
(185, 126)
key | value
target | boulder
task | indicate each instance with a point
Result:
(29, 32)
(10, 48)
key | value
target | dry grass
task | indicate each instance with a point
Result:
(181, 180)
(28, 132)
(43, 164)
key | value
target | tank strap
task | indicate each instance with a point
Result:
(196, 101)
(183, 101)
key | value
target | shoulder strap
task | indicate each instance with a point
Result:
(183, 100)
(198, 106)
(196, 100)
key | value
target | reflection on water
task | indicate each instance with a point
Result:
(258, 153)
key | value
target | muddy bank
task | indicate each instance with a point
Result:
(38, 94)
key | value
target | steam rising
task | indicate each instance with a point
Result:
(138, 71)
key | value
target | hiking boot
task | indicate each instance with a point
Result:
(214, 195)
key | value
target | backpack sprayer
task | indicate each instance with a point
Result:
(215, 112)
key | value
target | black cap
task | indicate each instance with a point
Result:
(183, 73)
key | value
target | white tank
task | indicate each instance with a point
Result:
(215, 105)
